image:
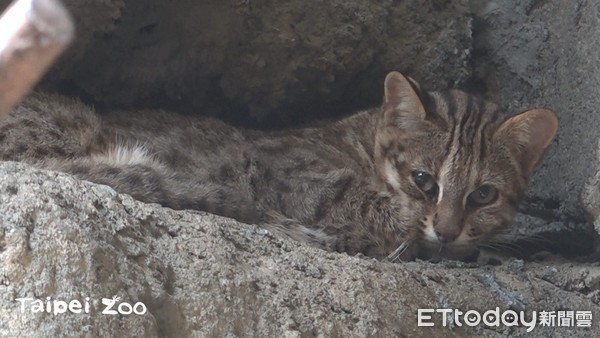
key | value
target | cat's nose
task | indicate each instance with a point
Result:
(446, 234)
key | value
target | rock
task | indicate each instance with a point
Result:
(203, 275)
(260, 61)
(591, 194)
(544, 53)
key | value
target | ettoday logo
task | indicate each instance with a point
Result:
(495, 317)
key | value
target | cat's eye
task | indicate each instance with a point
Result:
(485, 194)
(425, 182)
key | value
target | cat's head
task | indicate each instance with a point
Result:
(459, 160)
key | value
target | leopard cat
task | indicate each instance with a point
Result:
(425, 175)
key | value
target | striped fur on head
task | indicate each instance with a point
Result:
(460, 157)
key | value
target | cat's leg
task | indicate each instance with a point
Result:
(336, 210)
(47, 126)
(313, 235)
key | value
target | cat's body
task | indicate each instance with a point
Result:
(403, 174)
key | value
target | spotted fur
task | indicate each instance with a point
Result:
(349, 185)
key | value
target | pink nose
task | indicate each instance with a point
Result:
(447, 234)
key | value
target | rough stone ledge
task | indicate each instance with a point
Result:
(203, 275)
(591, 194)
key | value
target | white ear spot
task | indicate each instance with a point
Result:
(404, 106)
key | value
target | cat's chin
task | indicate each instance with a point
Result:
(436, 251)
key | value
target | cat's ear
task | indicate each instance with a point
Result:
(400, 94)
(527, 135)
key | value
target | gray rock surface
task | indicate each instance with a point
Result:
(207, 276)
(591, 194)
(547, 53)
(272, 62)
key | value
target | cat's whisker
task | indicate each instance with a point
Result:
(503, 247)
(441, 248)
(535, 239)
(395, 256)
